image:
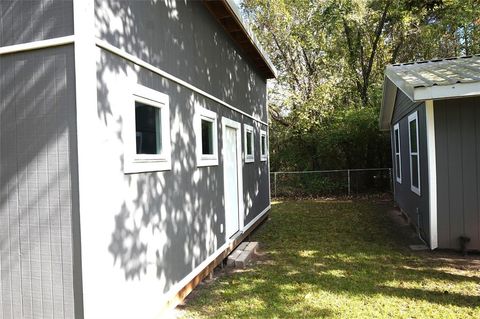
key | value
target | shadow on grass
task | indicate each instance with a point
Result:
(320, 252)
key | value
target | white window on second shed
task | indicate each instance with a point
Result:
(398, 156)
(263, 146)
(414, 154)
(249, 142)
(206, 133)
(147, 132)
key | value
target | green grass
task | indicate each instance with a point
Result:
(340, 260)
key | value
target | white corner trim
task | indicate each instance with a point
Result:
(432, 174)
(70, 39)
(85, 104)
(121, 53)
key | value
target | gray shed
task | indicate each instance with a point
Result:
(133, 152)
(432, 109)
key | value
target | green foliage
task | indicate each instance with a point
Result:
(331, 54)
(346, 138)
(332, 259)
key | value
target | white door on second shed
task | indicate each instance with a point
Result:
(231, 179)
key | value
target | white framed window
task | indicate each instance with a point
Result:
(206, 136)
(249, 143)
(146, 132)
(414, 154)
(263, 146)
(398, 156)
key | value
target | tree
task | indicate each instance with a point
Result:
(331, 56)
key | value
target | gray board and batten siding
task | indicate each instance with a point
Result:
(457, 139)
(38, 176)
(416, 206)
(42, 272)
(187, 42)
(25, 21)
(181, 210)
(177, 185)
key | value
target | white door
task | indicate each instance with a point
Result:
(230, 173)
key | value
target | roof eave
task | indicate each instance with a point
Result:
(252, 37)
(388, 103)
(446, 91)
(255, 51)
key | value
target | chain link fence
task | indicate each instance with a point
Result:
(346, 182)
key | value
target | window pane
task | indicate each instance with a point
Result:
(263, 144)
(207, 137)
(413, 136)
(249, 143)
(397, 165)
(148, 129)
(415, 170)
(397, 142)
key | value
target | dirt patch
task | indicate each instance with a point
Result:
(450, 261)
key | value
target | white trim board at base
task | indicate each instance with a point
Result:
(127, 56)
(182, 283)
(432, 173)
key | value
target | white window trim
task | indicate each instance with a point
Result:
(202, 113)
(396, 128)
(414, 117)
(137, 163)
(263, 157)
(248, 158)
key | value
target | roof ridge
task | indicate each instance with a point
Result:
(434, 60)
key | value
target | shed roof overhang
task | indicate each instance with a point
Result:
(429, 80)
(228, 15)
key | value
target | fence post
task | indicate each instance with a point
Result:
(275, 184)
(348, 175)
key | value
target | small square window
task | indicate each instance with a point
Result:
(206, 136)
(263, 145)
(148, 129)
(249, 142)
(146, 132)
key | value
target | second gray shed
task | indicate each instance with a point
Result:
(432, 109)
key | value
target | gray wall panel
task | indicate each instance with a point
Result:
(457, 142)
(409, 201)
(175, 190)
(34, 20)
(37, 123)
(184, 39)
(403, 106)
(443, 200)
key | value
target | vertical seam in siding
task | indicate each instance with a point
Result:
(445, 122)
(476, 161)
(58, 184)
(461, 168)
(18, 193)
(49, 224)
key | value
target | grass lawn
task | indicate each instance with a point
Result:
(338, 259)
